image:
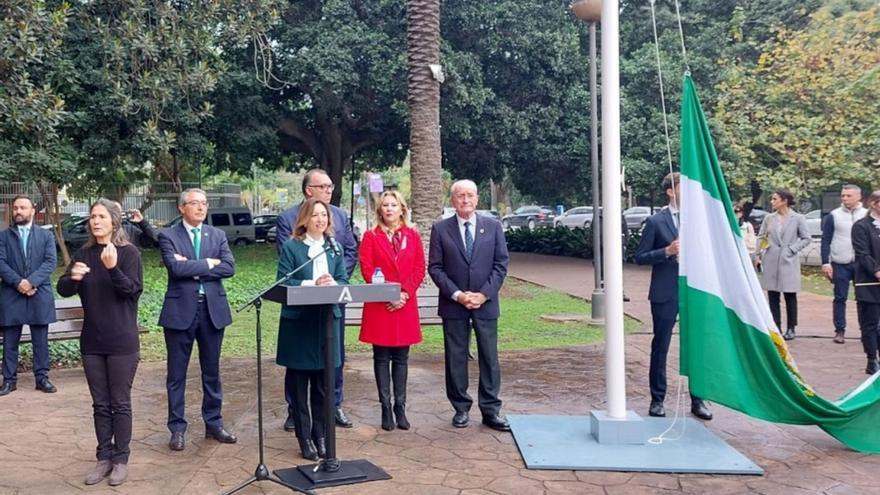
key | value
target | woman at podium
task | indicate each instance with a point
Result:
(301, 328)
(395, 250)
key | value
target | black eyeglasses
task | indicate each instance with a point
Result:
(323, 187)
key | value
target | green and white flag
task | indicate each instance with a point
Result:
(731, 350)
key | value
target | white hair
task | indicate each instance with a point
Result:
(463, 183)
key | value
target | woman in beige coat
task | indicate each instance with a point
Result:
(782, 236)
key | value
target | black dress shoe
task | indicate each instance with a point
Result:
(789, 334)
(700, 410)
(496, 422)
(45, 385)
(656, 410)
(308, 449)
(872, 367)
(321, 447)
(7, 387)
(342, 420)
(460, 420)
(289, 423)
(221, 436)
(178, 441)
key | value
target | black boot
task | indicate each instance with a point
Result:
(873, 366)
(383, 384)
(399, 374)
(789, 334)
(321, 447)
(307, 448)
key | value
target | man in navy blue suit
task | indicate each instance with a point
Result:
(27, 260)
(659, 248)
(317, 184)
(468, 262)
(197, 258)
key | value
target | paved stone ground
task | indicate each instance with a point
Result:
(47, 442)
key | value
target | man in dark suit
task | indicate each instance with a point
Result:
(27, 260)
(659, 248)
(197, 258)
(317, 184)
(468, 262)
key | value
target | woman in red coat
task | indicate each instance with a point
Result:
(395, 248)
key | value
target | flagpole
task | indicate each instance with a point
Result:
(615, 376)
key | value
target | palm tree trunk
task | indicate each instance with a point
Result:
(423, 99)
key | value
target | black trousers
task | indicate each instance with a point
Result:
(455, 345)
(790, 308)
(306, 389)
(663, 317)
(869, 324)
(40, 345)
(110, 378)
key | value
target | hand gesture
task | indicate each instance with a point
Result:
(136, 215)
(109, 256)
(672, 249)
(325, 279)
(79, 270)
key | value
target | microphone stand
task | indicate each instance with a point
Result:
(261, 473)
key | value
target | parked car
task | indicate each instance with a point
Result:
(814, 223)
(262, 224)
(638, 215)
(236, 221)
(489, 213)
(756, 217)
(76, 233)
(447, 212)
(579, 216)
(529, 216)
(272, 234)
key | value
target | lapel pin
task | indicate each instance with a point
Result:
(482, 231)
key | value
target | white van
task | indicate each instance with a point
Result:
(236, 221)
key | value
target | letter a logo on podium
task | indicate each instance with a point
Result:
(345, 295)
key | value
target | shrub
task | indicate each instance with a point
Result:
(562, 241)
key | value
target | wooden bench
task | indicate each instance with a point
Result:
(428, 300)
(69, 316)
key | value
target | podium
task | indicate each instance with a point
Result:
(331, 471)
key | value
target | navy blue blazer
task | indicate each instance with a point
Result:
(341, 232)
(37, 268)
(450, 269)
(181, 297)
(660, 231)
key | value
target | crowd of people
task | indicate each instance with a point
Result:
(467, 261)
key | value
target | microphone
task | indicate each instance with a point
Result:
(288, 276)
(336, 249)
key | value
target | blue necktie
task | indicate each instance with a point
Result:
(468, 240)
(197, 247)
(25, 232)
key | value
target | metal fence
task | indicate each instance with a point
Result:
(161, 209)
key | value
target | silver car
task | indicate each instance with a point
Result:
(814, 223)
(637, 216)
(579, 216)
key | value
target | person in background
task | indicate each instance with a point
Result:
(659, 248)
(27, 260)
(783, 234)
(838, 257)
(317, 184)
(396, 249)
(748, 233)
(301, 330)
(866, 245)
(107, 274)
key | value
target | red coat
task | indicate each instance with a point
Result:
(393, 328)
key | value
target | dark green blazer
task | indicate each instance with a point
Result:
(301, 328)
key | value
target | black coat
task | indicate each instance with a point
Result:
(37, 268)
(660, 231)
(866, 244)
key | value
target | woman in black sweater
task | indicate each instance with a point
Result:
(108, 276)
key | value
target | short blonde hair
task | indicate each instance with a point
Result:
(404, 210)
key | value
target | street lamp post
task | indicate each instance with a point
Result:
(591, 11)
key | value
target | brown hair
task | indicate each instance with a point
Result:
(785, 195)
(874, 197)
(404, 210)
(670, 181)
(119, 237)
(305, 214)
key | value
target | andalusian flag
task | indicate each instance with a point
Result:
(730, 346)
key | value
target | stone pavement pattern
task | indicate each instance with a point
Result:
(47, 441)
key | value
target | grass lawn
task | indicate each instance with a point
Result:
(814, 281)
(520, 326)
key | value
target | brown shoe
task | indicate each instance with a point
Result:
(838, 338)
(99, 472)
(119, 474)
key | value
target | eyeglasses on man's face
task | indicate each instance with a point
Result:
(323, 187)
(196, 202)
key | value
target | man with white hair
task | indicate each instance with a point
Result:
(468, 262)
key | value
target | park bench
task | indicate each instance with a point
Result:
(428, 300)
(69, 316)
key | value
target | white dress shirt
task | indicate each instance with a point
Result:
(473, 228)
(320, 265)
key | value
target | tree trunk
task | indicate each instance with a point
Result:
(49, 192)
(423, 100)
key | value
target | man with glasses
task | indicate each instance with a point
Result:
(317, 184)
(197, 258)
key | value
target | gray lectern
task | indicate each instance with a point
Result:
(331, 471)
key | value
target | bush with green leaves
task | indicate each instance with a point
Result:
(562, 241)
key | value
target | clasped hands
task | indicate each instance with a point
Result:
(212, 262)
(396, 305)
(472, 300)
(26, 288)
